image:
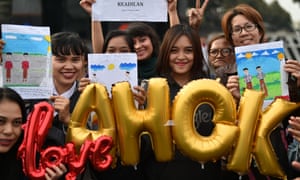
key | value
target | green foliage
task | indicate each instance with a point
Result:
(272, 81)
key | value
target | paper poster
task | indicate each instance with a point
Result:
(259, 68)
(108, 69)
(130, 10)
(27, 60)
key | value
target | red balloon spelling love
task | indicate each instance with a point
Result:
(35, 132)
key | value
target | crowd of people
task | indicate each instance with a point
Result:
(178, 58)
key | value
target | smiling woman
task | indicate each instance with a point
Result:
(12, 116)
(181, 61)
(241, 16)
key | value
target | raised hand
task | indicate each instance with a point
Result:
(172, 5)
(196, 14)
(293, 67)
(87, 5)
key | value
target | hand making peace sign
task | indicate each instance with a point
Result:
(196, 14)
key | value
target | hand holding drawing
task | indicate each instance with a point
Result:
(2, 43)
(234, 87)
(293, 67)
(83, 83)
(139, 95)
(196, 14)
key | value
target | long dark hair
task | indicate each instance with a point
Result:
(10, 166)
(118, 33)
(199, 68)
(65, 43)
(12, 95)
(142, 29)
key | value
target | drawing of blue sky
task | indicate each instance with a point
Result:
(267, 59)
(97, 67)
(127, 66)
(32, 44)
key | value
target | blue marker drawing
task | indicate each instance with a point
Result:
(127, 66)
(97, 67)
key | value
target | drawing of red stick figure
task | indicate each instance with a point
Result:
(25, 67)
(8, 66)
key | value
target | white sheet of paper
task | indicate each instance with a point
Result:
(27, 66)
(108, 69)
(270, 57)
(130, 10)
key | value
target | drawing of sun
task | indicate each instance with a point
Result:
(248, 55)
(280, 56)
(47, 38)
(111, 67)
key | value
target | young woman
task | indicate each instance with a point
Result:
(146, 45)
(116, 41)
(180, 61)
(243, 25)
(69, 53)
(12, 117)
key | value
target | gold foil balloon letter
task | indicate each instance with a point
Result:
(131, 123)
(187, 139)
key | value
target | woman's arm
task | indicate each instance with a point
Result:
(172, 11)
(96, 27)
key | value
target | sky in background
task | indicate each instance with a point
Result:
(290, 7)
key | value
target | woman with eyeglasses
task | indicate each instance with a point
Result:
(221, 57)
(243, 25)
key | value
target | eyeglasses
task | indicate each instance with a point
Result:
(224, 52)
(247, 27)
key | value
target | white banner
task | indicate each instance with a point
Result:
(130, 10)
